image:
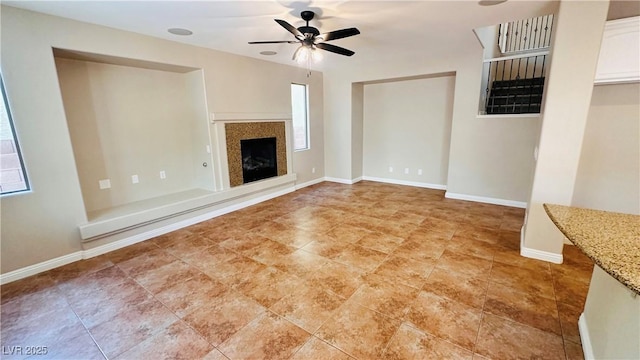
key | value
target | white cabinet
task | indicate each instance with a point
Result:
(619, 60)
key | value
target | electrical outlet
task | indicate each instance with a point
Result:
(134, 179)
(163, 175)
(406, 170)
(419, 171)
(390, 169)
(208, 149)
(104, 184)
(313, 170)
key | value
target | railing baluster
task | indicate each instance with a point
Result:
(535, 34)
(486, 101)
(514, 36)
(533, 76)
(493, 100)
(527, 35)
(550, 31)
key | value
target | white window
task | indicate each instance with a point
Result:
(300, 115)
(12, 175)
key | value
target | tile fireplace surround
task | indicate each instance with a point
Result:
(253, 130)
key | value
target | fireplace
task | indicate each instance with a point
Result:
(259, 159)
(265, 161)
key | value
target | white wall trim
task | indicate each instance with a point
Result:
(240, 116)
(309, 183)
(541, 255)
(405, 182)
(587, 348)
(342, 181)
(40, 267)
(103, 249)
(488, 200)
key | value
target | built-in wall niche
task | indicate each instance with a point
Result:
(139, 132)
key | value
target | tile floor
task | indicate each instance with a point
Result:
(331, 271)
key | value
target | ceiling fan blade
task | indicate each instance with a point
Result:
(339, 34)
(274, 42)
(290, 28)
(335, 49)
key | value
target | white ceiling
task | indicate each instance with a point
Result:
(388, 28)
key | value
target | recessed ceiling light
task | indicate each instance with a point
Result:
(268, 52)
(179, 31)
(490, 2)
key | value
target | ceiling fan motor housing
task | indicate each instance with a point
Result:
(309, 30)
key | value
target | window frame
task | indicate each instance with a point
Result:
(306, 120)
(16, 142)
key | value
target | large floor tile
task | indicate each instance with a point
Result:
(177, 341)
(317, 349)
(186, 296)
(308, 307)
(406, 271)
(461, 287)
(267, 337)
(500, 338)
(526, 308)
(132, 326)
(223, 316)
(358, 331)
(471, 265)
(391, 299)
(411, 343)
(524, 280)
(445, 318)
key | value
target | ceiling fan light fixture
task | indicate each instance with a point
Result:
(305, 54)
(310, 40)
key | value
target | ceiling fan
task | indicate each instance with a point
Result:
(310, 38)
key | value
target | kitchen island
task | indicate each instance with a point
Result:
(610, 323)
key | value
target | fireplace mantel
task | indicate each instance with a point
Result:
(247, 116)
(221, 157)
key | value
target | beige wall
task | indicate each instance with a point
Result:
(43, 224)
(407, 124)
(609, 171)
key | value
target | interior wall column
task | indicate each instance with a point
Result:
(569, 83)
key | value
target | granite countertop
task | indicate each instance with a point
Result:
(611, 240)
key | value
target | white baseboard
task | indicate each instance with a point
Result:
(40, 267)
(488, 200)
(587, 348)
(309, 183)
(538, 254)
(342, 181)
(407, 183)
(541, 255)
(103, 249)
